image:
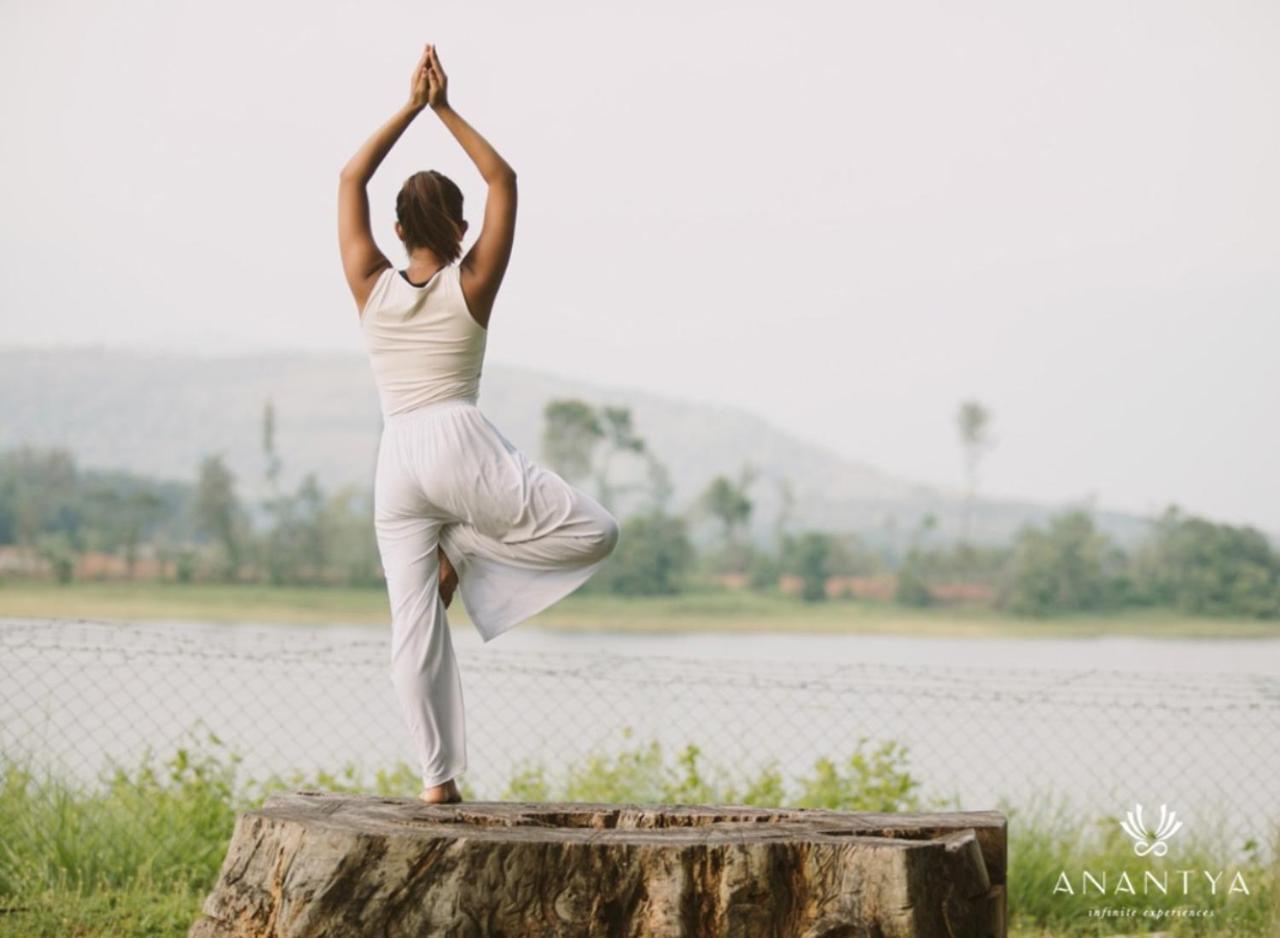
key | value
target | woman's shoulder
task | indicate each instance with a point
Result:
(473, 304)
(377, 291)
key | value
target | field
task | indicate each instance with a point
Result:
(699, 610)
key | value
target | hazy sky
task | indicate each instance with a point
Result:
(844, 216)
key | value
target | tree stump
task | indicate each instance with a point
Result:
(311, 863)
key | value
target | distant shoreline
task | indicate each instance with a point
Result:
(701, 611)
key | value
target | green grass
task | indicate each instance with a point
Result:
(1047, 839)
(137, 854)
(697, 610)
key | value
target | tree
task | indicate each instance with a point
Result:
(56, 548)
(299, 545)
(652, 556)
(269, 447)
(811, 554)
(38, 490)
(1068, 566)
(660, 487)
(573, 433)
(619, 437)
(727, 501)
(218, 512)
(351, 539)
(1198, 566)
(786, 505)
(279, 561)
(973, 420)
(121, 511)
(764, 567)
(912, 588)
(314, 543)
(569, 437)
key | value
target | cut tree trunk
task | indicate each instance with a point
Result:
(311, 863)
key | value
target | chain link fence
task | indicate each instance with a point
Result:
(76, 695)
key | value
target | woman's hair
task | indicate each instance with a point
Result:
(429, 209)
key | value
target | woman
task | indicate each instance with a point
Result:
(455, 503)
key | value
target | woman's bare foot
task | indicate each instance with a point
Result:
(448, 577)
(442, 794)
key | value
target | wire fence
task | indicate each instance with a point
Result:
(79, 695)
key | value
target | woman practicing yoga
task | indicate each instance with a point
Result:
(455, 503)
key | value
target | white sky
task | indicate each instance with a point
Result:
(846, 217)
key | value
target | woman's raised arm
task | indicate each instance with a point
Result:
(484, 265)
(361, 259)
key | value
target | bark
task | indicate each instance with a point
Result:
(311, 863)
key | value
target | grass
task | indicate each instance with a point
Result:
(1048, 839)
(697, 610)
(137, 854)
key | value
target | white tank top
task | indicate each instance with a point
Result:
(423, 343)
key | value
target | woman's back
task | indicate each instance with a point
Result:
(423, 343)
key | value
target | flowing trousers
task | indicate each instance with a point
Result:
(519, 536)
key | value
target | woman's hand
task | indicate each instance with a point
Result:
(430, 84)
(438, 82)
(420, 83)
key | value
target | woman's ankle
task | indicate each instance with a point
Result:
(445, 792)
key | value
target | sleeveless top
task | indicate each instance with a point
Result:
(423, 344)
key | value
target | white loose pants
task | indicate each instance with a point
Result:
(519, 536)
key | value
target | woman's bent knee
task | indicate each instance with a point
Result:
(606, 538)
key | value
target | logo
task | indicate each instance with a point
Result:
(1150, 842)
(1155, 880)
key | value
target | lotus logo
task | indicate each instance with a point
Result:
(1145, 841)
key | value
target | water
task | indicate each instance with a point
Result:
(1195, 656)
(1104, 721)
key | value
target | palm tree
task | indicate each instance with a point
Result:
(727, 501)
(973, 420)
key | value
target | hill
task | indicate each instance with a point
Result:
(160, 413)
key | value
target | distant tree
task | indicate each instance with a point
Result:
(313, 543)
(619, 437)
(1197, 566)
(578, 441)
(298, 545)
(38, 494)
(660, 487)
(570, 433)
(811, 554)
(353, 549)
(850, 556)
(280, 547)
(765, 568)
(966, 562)
(121, 514)
(786, 505)
(973, 421)
(727, 501)
(218, 512)
(653, 556)
(60, 553)
(912, 587)
(274, 464)
(890, 533)
(1068, 566)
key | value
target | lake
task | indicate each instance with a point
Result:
(1102, 722)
